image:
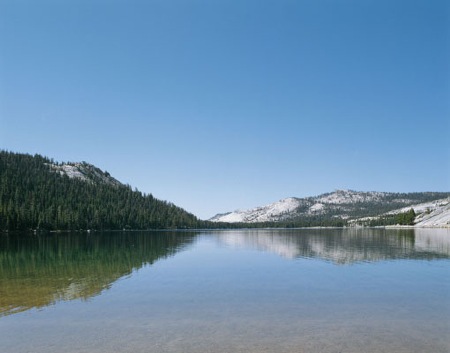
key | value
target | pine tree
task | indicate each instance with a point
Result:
(33, 196)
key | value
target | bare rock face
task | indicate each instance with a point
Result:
(86, 172)
(347, 205)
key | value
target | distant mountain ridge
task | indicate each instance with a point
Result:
(341, 205)
(37, 193)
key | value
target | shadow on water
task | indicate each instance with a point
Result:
(40, 270)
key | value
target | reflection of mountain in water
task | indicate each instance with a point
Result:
(37, 271)
(346, 246)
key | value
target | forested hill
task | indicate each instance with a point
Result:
(37, 193)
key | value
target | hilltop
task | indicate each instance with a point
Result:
(38, 193)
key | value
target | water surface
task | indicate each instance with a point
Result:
(226, 291)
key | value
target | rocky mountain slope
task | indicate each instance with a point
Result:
(275, 211)
(346, 205)
(434, 213)
(84, 171)
(435, 217)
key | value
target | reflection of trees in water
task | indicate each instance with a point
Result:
(346, 246)
(37, 271)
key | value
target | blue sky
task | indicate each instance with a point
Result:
(224, 104)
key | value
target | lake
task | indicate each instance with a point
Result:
(305, 290)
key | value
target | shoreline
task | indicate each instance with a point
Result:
(88, 231)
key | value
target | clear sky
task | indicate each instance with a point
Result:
(216, 105)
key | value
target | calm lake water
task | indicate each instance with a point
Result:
(226, 291)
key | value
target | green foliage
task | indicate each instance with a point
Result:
(406, 218)
(33, 196)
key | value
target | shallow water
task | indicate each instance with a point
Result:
(227, 291)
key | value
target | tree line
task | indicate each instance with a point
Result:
(33, 196)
